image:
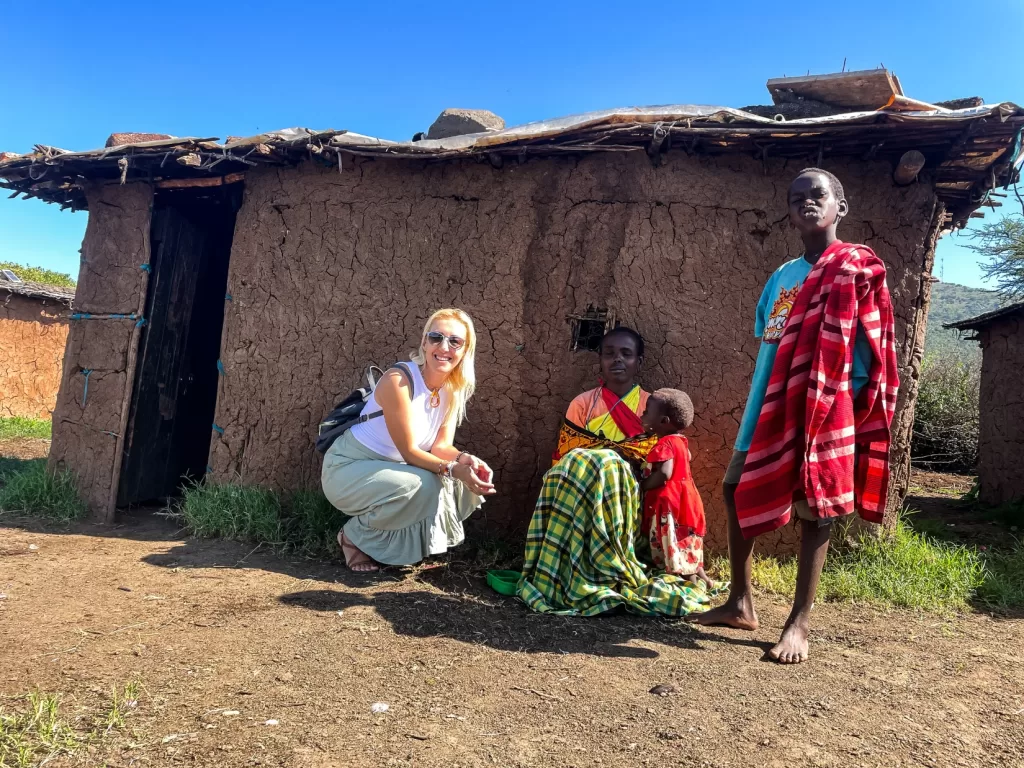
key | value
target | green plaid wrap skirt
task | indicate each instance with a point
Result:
(579, 550)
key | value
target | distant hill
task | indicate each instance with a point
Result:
(952, 302)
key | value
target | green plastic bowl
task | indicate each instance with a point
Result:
(504, 582)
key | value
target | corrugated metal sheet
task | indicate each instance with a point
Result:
(968, 151)
(37, 290)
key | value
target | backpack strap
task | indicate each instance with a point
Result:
(404, 369)
(408, 375)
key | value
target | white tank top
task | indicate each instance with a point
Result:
(426, 420)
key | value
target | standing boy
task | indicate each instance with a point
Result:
(814, 437)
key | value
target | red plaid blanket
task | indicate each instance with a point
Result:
(812, 440)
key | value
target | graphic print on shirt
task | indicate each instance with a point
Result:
(779, 315)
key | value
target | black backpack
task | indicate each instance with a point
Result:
(349, 411)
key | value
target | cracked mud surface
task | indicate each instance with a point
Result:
(32, 338)
(332, 271)
(1001, 431)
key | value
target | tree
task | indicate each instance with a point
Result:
(39, 275)
(1003, 243)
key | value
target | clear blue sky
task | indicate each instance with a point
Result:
(77, 71)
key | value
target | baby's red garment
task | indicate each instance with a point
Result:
(674, 514)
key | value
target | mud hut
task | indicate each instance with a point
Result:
(34, 320)
(235, 290)
(1001, 427)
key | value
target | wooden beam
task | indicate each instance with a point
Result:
(864, 89)
(216, 181)
(909, 166)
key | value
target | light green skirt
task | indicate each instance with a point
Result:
(400, 514)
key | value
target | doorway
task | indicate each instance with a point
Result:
(175, 391)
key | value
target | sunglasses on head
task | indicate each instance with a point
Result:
(454, 342)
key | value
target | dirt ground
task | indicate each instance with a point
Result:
(211, 628)
(24, 448)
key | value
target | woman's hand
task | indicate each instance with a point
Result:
(466, 475)
(480, 468)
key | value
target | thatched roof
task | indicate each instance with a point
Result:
(35, 290)
(968, 151)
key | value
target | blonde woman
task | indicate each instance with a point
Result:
(400, 477)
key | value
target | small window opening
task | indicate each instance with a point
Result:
(588, 329)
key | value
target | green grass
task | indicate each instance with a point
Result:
(311, 524)
(13, 427)
(123, 702)
(10, 465)
(34, 492)
(303, 522)
(1003, 586)
(905, 568)
(35, 733)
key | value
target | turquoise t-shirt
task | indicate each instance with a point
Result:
(772, 313)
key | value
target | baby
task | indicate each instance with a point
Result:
(673, 512)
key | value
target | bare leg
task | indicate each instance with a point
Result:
(738, 611)
(814, 539)
(702, 576)
(355, 558)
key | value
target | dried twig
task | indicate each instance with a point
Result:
(542, 695)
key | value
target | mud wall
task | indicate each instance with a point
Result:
(99, 363)
(330, 271)
(32, 337)
(1001, 434)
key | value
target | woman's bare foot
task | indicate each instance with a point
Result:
(792, 646)
(356, 560)
(738, 614)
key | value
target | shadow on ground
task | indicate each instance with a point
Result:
(461, 607)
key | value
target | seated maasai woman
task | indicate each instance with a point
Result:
(609, 416)
(579, 549)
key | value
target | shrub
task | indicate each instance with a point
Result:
(34, 491)
(946, 415)
(39, 275)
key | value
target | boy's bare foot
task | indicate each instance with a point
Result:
(738, 615)
(792, 646)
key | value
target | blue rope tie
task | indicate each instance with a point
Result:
(142, 322)
(209, 469)
(115, 316)
(220, 368)
(86, 372)
(227, 297)
(145, 268)
(218, 430)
